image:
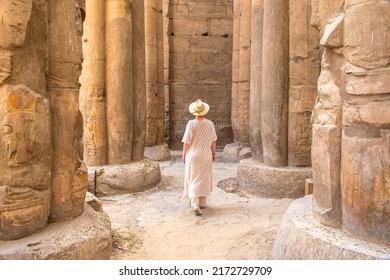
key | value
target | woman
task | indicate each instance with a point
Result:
(198, 155)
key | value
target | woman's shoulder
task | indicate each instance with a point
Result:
(210, 122)
(190, 123)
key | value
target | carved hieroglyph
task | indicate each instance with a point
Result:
(25, 161)
(351, 123)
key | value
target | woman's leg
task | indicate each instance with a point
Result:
(202, 201)
(195, 205)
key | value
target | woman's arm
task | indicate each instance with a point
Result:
(214, 149)
(185, 149)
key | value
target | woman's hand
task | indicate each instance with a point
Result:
(214, 156)
(183, 158)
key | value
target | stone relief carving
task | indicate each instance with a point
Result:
(25, 161)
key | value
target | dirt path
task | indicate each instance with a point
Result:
(157, 225)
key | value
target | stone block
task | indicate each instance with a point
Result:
(158, 152)
(298, 28)
(207, 11)
(326, 152)
(189, 26)
(221, 27)
(210, 44)
(309, 186)
(272, 182)
(367, 43)
(121, 179)
(368, 83)
(304, 71)
(179, 44)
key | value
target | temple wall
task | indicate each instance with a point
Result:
(200, 64)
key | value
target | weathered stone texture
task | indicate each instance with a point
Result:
(352, 85)
(303, 75)
(93, 86)
(120, 179)
(65, 57)
(154, 59)
(256, 79)
(275, 71)
(87, 237)
(200, 49)
(40, 151)
(284, 74)
(301, 237)
(25, 162)
(273, 182)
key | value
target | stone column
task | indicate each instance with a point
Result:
(348, 216)
(165, 19)
(284, 72)
(119, 81)
(155, 148)
(244, 72)
(256, 79)
(120, 64)
(365, 157)
(240, 83)
(303, 75)
(69, 183)
(93, 86)
(39, 140)
(151, 71)
(139, 82)
(25, 134)
(235, 70)
(274, 102)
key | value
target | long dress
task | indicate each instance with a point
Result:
(198, 168)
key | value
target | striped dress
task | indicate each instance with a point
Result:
(198, 174)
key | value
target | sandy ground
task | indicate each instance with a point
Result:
(158, 225)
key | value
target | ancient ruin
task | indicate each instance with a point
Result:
(200, 65)
(93, 103)
(155, 26)
(283, 90)
(241, 67)
(44, 181)
(113, 98)
(348, 215)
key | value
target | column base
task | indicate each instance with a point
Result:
(86, 237)
(121, 179)
(272, 182)
(158, 152)
(301, 237)
(234, 153)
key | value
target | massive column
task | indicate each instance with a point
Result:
(155, 149)
(114, 91)
(93, 84)
(25, 142)
(256, 79)
(43, 179)
(65, 57)
(274, 90)
(348, 213)
(283, 78)
(241, 63)
(119, 82)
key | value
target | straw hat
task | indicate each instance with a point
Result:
(199, 108)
